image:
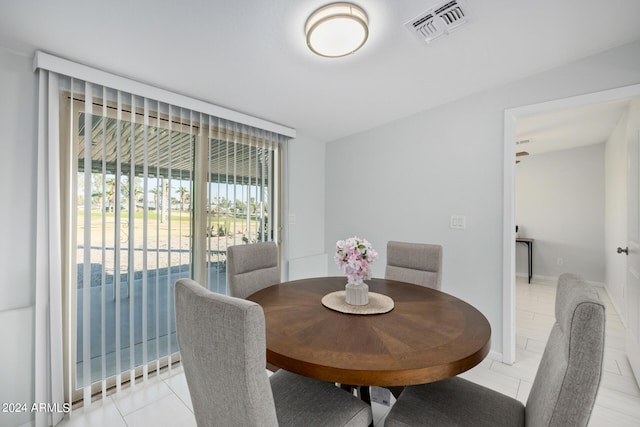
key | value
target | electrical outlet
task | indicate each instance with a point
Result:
(380, 395)
(560, 261)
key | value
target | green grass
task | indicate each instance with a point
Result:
(176, 216)
(151, 216)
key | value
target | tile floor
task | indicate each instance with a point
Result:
(164, 400)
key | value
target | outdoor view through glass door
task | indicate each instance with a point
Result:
(157, 194)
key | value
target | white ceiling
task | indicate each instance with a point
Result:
(569, 128)
(250, 55)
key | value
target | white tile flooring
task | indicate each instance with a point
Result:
(164, 400)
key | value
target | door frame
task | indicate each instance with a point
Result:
(511, 116)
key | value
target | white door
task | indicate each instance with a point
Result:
(633, 248)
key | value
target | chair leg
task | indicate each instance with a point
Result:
(396, 390)
(361, 391)
(347, 387)
(364, 394)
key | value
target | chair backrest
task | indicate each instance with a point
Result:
(417, 263)
(223, 351)
(251, 268)
(567, 381)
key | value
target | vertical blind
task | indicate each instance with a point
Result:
(152, 192)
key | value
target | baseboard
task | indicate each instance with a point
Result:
(494, 355)
(17, 328)
(553, 280)
(547, 279)
(538, 278)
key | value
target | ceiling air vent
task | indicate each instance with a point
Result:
(438, 21)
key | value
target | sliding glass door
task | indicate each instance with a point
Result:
(155, 194)
(240, 202)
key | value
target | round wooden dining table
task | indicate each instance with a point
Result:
(428, 336)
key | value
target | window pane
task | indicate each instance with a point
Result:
(239, 198)
(143, 176)
(140, 233)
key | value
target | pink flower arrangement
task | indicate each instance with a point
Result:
(354, 256)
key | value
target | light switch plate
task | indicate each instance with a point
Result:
(458, 222)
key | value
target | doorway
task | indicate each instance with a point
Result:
(510, 136)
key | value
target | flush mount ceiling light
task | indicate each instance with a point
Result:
(336, 30)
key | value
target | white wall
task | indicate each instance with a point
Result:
(307, 257)
(616, 205)
(400, 181)
(404, 180)
(560, 203)
(18, 125)
(616, 214)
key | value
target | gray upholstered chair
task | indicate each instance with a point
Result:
(251, 268)
(223, 350)
(564, 389)
(418, 263)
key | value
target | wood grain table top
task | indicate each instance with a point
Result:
(428, 336)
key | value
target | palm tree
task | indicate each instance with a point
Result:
(184, 194)
(137, 192)
(160, 198)
(110, 192)
(97, 193)
(155, 192)
(96, 197)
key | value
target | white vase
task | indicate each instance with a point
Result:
(357, 294)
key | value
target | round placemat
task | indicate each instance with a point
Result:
(378, 303)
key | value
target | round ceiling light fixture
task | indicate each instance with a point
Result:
(337, 29)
